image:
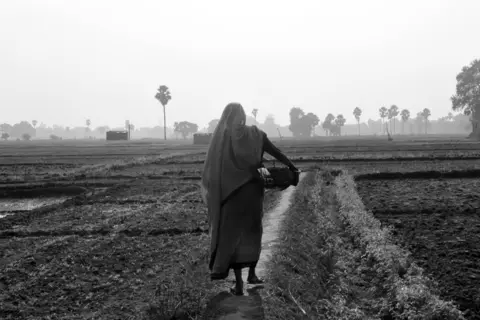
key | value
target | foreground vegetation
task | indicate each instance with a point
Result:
(336, 261)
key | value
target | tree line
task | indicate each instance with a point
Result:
(302, 125)
(466, 99)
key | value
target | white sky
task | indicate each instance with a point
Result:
(65, 61)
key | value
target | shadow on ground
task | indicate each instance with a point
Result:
(226, 306)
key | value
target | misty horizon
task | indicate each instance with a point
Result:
(63, 63)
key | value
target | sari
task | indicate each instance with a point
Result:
(233, 194)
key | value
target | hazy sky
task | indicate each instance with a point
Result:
(65, 61)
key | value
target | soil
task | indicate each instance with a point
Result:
(431, 174)
(107, 277)
(418, 196)
(438, 221)
(117, 253)
(106, 255)
(122, 252)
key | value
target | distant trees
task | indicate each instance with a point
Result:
(270, 127)
(55, 137)
(301, 124)
(87, 123)
(332, 125)
(34, 123)
(101, 130)
(383, 111)
(212, 125)
(186, 128)
(340, 122)
(163, 96)
(426, 114)
(5, 128)
(392, 114)
(327, 124)
(405, 115)
(5, 136)
(467, 96)
(418, 121)
(357, 112)
(26, 137)
(24, 127)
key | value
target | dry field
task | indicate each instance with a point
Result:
(96, 230)
(438, 221)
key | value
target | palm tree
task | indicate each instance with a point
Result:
(425, 114)
(357, 112)
(163, 95)
(392, 114)
(383, 113)
(88, 123)
(327, 123)
(405, 114)
(34, 123)
(340, 122)
(254, 113)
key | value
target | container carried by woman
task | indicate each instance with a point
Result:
(233, 190)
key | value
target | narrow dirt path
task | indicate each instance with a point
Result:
(226, 306)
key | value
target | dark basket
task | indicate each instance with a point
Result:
(282, 177)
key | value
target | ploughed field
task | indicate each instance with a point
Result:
(113, 230)
(438, 221)
(67, 160)
(102, 256)
(99, 245)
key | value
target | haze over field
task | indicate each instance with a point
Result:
(63, 62)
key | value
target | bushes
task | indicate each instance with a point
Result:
(55, 137)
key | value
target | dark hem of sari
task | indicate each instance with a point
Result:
(224, 275)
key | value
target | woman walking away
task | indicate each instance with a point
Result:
(233, 190)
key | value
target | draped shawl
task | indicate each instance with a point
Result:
(234, 154)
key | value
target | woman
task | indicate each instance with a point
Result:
(233, 190)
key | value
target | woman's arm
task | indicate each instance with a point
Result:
(270, 148)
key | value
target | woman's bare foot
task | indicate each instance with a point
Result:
(237, 290)
(254, 280)
(252, 277)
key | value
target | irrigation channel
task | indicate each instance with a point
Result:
(226, 306)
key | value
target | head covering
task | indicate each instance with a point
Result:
(234, 154)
